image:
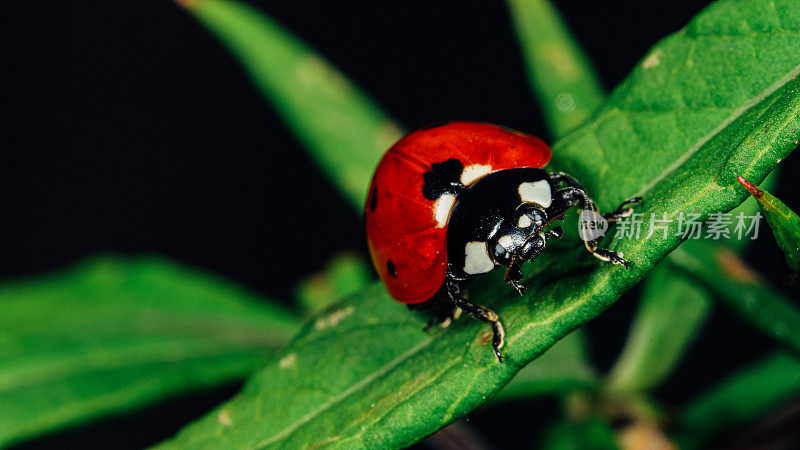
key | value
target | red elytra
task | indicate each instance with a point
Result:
(407, 244)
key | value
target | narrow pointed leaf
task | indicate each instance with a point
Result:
(112, 335)
(671, 311)
(342, 128)
(365, 375)
(560, 74)
(740, 399)
(784, 222)
(749, 208)
(741, 290)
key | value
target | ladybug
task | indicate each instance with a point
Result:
(450, 202)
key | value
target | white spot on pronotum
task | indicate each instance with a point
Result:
(477, 258)
(653, 60)
(506, 241)
(288, 361)
(224, 418)
(441, 209)
(524, 221)
(473, 172)
(536, 192)
(333, 318)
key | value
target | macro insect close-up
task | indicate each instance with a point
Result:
(300, 224)
(456, 200)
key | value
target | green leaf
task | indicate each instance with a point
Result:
(740, 399)
(568, 90)
(365, 375)
(741, 290)
(345, 131)
(592, 433)
(671, 312)
(562, 369)
(684, 92)
(748, 208)
(560, 74)
(784, 222)
(111, 335)
(345, 274)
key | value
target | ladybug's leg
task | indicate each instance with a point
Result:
(514, 274)
(444, 319)
(575, 195)
(556, 233)
(480, 313)
(622, 212)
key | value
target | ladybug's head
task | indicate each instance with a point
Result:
(521, 234)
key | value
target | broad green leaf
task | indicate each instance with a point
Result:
(741, 290)
(592, 433)
(345, 274)
(784, 222)
(568, 90)
(686, 90)
(340, 125)
(740, 399)
(112, 335)
(364, 374)
(662, 330)
(562, 369)
(671, 311)
(560, 74)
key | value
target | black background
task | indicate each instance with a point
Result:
(129, 129)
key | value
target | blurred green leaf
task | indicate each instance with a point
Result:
(345, 274)
(671, 311)
(560, 74)
(784, 222)
(364, 374)
(340, 125)
(740, 399)
(112, 335)
(592, 433)
(741, 290)
(562, 369)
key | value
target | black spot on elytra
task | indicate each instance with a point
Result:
(391, 268)
(443, 178)
(433, 125)
(373, 199)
